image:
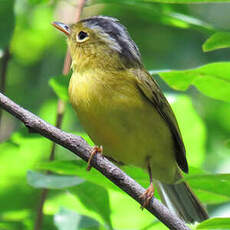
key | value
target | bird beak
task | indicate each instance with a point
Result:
(62, 27)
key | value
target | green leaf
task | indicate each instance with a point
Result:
(218, 40)
(124, 209)
(17, 156)
(69, 220)
(211, 186)
(206, 193)
(215, 223)
(60, 86)
(166, 1)
(79, 168)
(190, 122)
(7, 21)
(95, 198)
(35, 2)
(33, 36)
(11, 225)
(165, 14)
(39, 180)
(213, 80)
(184, 21)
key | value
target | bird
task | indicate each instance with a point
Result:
(123, 109)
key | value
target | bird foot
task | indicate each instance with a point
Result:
(147, 196)
(94, 151)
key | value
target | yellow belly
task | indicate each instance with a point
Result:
(117, 116)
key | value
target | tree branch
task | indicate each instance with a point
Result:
(78, 146)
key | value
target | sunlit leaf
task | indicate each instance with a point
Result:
(17, 156)
(168, 1)
(21, 147)
(190, 20)
(38, 1)
(215, 223)
(218, 40)
(212, 80)
(185, 21)
(67, 219)
(69, 201)
(31, 41)
(95, 198)
(60, 86)
(77, 168)
(203, 185)
(211, 184)
(125, 208)
(190, 123)
(40, 180)
(12, 225)
(165, 14)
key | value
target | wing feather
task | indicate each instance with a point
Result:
(150, 89)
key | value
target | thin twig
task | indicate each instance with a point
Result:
(5, 60)
(60, 114)
(44, 192)
(80, 6)
(59, 118)
(79, 147)
(67, 63)
(39, 216)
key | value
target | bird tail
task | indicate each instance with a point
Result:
(180, 199)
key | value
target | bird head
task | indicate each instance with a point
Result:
(100, 42)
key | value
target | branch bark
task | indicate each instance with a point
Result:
(79, 147)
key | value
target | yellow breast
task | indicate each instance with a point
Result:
(116, 115)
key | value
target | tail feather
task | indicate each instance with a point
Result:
(180, 199)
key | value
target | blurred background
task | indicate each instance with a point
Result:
(170, 37)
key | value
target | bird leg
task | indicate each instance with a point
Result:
(94, 151)
(149, 192)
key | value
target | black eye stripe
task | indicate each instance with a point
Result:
(82, 35)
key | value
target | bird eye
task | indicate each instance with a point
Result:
(82, 36)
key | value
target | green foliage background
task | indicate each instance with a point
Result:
(175, 38)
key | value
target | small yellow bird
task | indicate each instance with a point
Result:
(123, 109)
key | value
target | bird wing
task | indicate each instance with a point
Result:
(150, 90)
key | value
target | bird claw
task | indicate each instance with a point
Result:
(147, 196)
(95, 150)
